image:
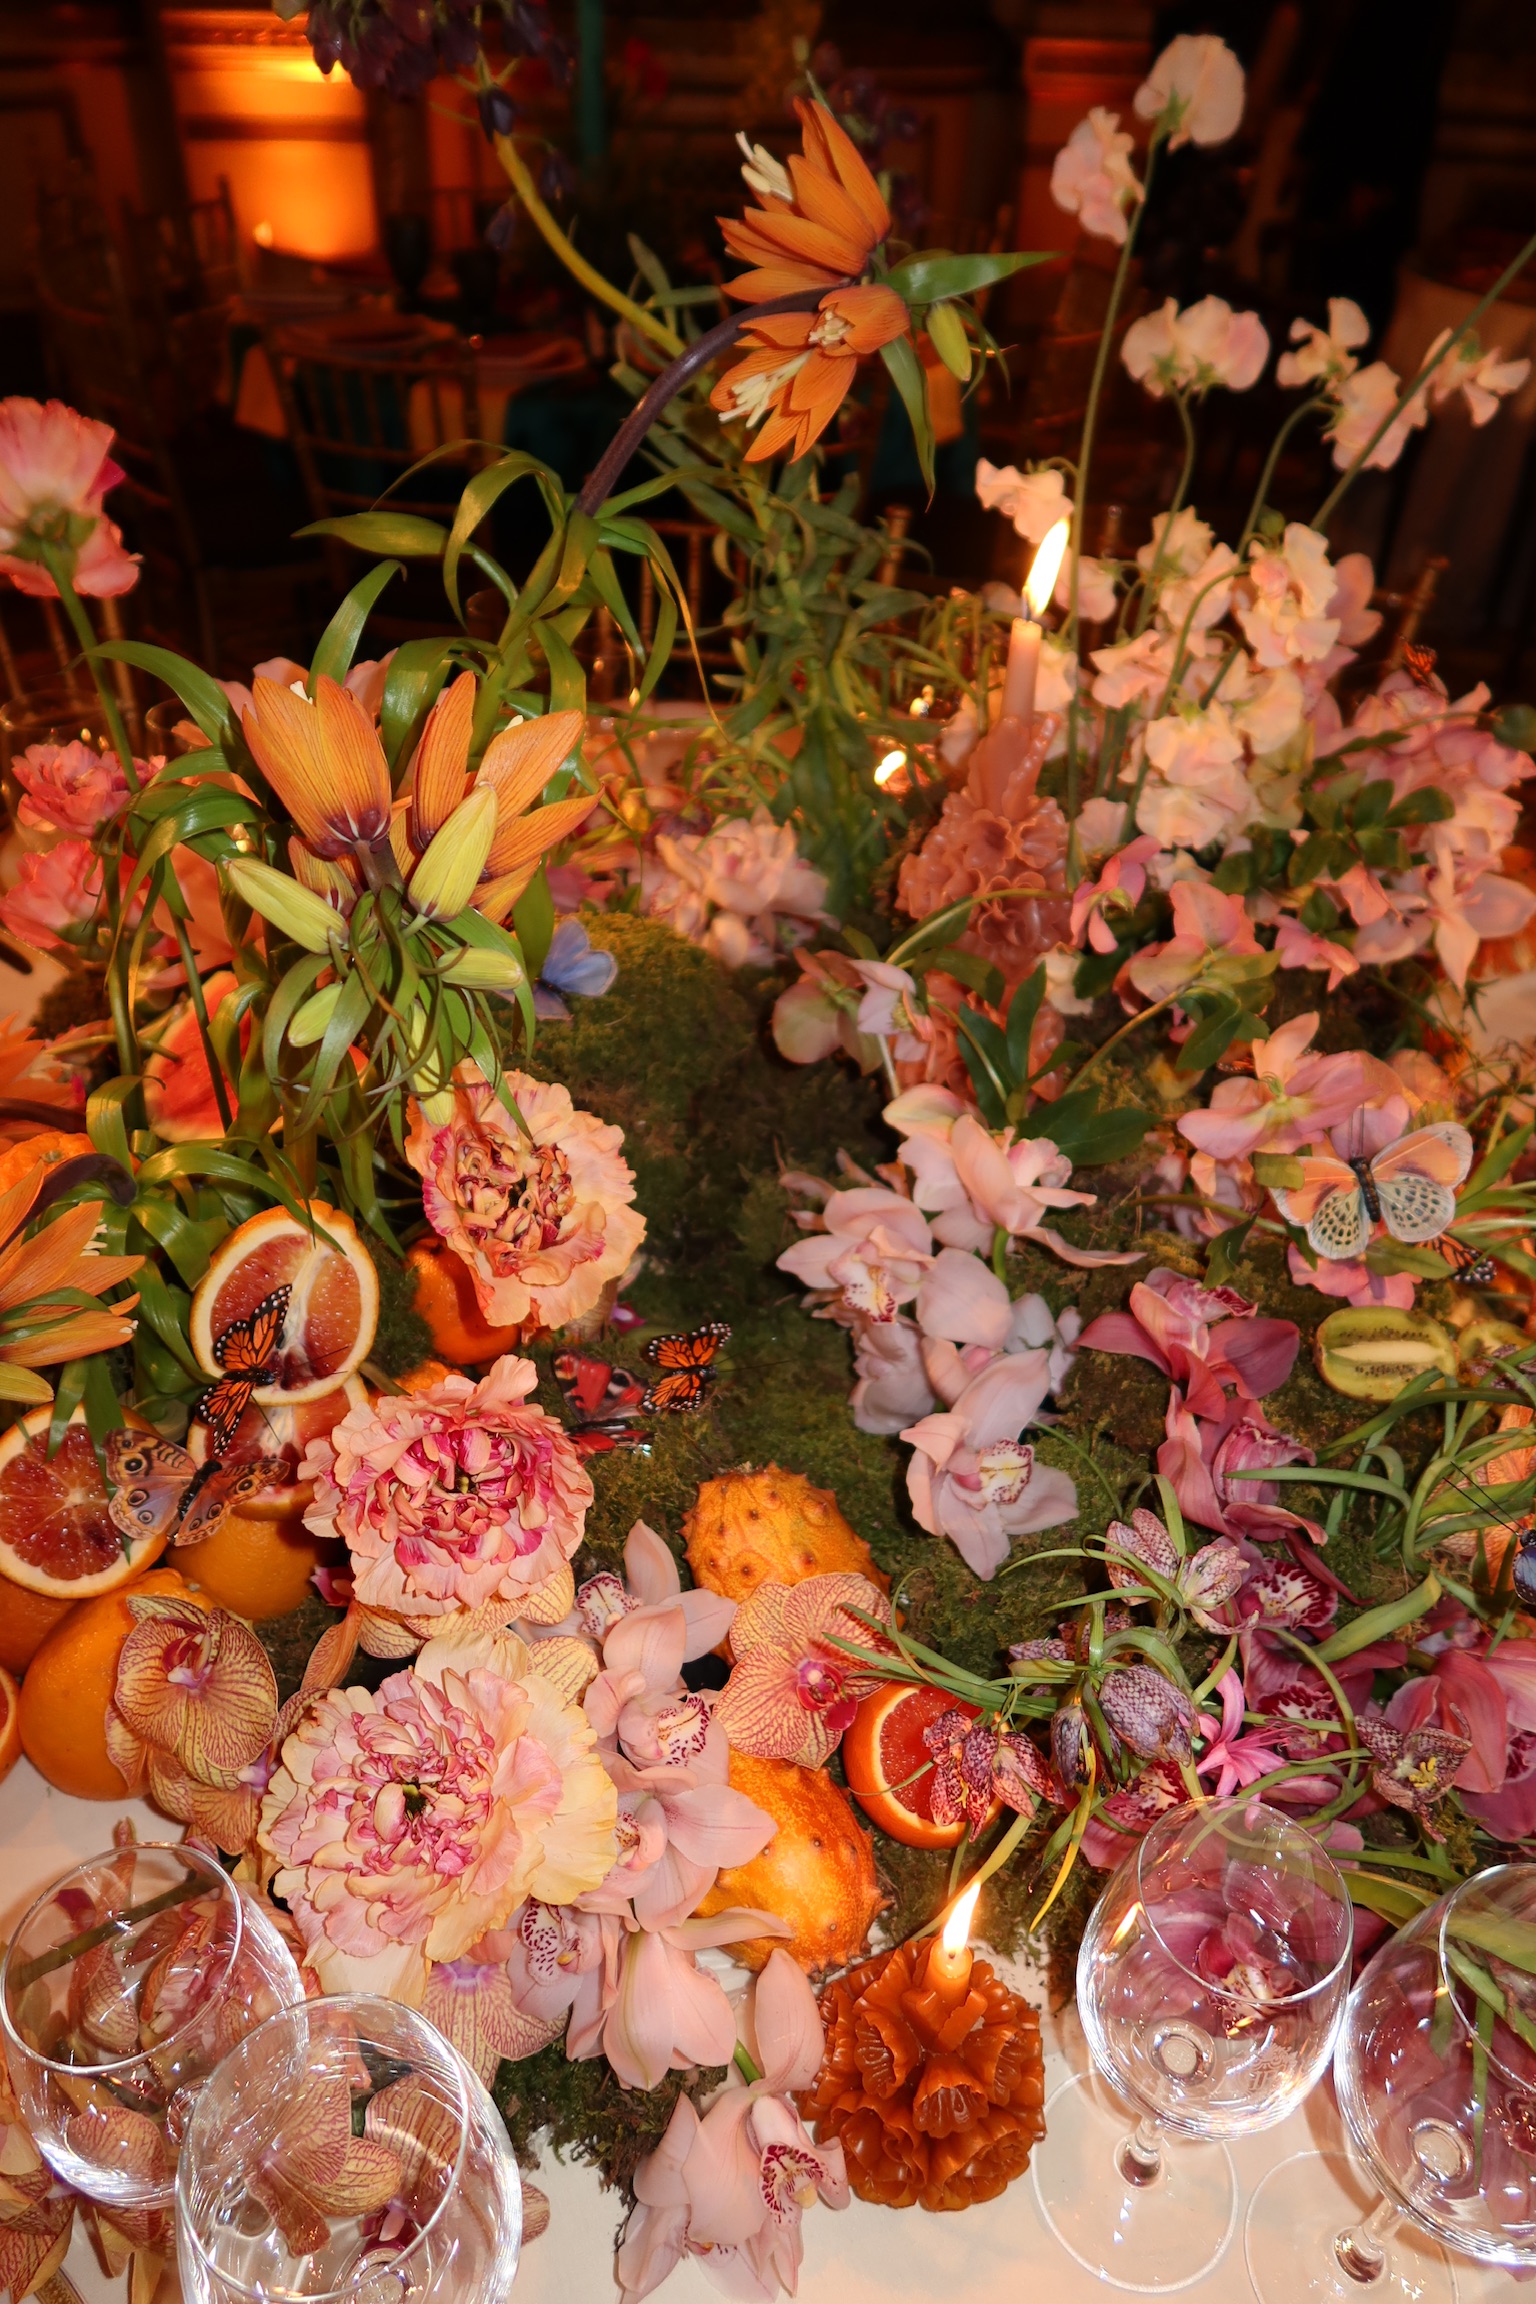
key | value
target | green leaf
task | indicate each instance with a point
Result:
(204, 699)
(1380, 1623)
(1429, 805)
(67, 1396)
(1498, 1160)
(906, 373)
(1225, 1249)
(567, 681)
(1516, 726)
(183, 1240)
(338, 642)
(533, 916)
(404, 534)
(1212, 1037)
(104, 1121)
(1090, 1136)
(480, 494)
(417, 670)
(927, 278)
(1022, 1011)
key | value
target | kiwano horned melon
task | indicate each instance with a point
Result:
(817, 1872)
(770, 1527)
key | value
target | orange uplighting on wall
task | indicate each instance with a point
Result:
(293, 142)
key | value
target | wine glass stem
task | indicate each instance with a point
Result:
(1359, 2249)
(1140, 2157)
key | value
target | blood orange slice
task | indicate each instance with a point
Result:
(56, 1536)
(333, 1303)
(284, 1428)
(890, 1769)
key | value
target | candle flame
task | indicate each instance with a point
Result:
(1044, 569)
(890, 766)
(957, 1928)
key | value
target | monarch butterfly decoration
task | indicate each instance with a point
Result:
(1476, 1270)
(1410, 1187)
(688, 1368)
(1420, 663)
(160, 1488)
(247, 1353)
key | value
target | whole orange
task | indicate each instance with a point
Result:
(10, 1727)
(69, 1684)
(445, 1298)
(26, 1619)
(254, 1567)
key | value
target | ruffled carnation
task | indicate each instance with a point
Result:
(450, 1500)
(997, 834)
(541, 1213)
(70, 787)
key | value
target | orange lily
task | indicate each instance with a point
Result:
(799, 373)
(39, 1326)
(820, 215)
(324, 761)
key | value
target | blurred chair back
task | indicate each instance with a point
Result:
(360, 417)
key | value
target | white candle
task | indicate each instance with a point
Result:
(1024, 641)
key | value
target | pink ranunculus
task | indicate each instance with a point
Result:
(54, 476)
(70, 787)
(972, 1480)
(867, 1254)
(1196, 88)
(1092, 176)
(542, 1213)
(730, 2187)
(450, 1500)
(408, 1822)
(56, 899)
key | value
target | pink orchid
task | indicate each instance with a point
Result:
(1508, 1810)
(976, 1183)
(1209, 1466)
(868, 1255)
(1119, 887)
(1298, 947)
(791, 1692)
(1203, 1338)
(1463, 907)
(1210, 930)
(54, 476)
(71, 787)
(730, 2187)
(1352, 1280)
(892, 1389)
(678, 1827)
(667, 2014)
(1236, 1757)
(1291, 1095)
(971, 1479)
(473, 2004)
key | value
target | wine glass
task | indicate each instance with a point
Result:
(344, 2151)
(1210, 1985)
(1436, 2079)
(122, 1988)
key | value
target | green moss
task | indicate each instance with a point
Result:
(403, 1339)
(582, 2109)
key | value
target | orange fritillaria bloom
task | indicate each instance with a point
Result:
(797, 376)
(819, 219)
(324, 761)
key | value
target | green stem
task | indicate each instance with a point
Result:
(57, 563)
(741, 2057)
(1261, 493)
(1085, 454)
(576, 264)
(1329, 505)
(1143, 1016)
(200, 1011)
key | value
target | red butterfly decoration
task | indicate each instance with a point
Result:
(247, 1353)
(602, 1402)
(688, 1364)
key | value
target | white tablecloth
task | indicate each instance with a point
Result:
(1001, 2253)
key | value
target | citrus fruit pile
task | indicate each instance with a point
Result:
(66, 1569)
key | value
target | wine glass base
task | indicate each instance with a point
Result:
(1293, 2218)
(1152, 2238)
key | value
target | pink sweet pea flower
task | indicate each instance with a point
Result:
(1189, 351)
(971, 1479)
(1298, 947)
(1206, 923)
(1092, 176)
(730, 2187)
(54, 476)
(1352, 1280)
(1195, 88)
(1119, 887)
(1290, 1097)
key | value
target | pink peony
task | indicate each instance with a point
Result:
(458, 1498)
(971, 1479)
(56, 897)
(408, 1822)
(54, 475)
(1092, 176)
(541, 1213)
(70, 787)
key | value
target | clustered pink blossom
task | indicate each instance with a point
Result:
(57, 897)
(71, 787)
(54, 477)
(741, 889)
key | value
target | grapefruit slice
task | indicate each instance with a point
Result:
(284, 1428)
(56, 1536)
(333, 1305)
(890, 1769)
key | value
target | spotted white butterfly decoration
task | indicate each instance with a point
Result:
(1410, 1187)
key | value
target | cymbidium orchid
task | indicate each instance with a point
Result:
(192, 1715)
(972, 1479)
(867, 1256)
(793, 1689)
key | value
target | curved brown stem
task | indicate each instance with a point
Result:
(595, 488)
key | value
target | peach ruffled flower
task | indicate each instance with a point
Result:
(409, 1821)
(70, 787)
(54, 476)
(56, 897)
(541, 1213)
(997, 835)
(459, 1498)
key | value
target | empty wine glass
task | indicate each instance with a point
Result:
(1436, 2079)
(345, 2152)
(123, 1986)
(1210, 1985)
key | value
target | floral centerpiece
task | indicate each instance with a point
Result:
(1113, 1072)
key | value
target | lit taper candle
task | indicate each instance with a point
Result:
(1028, 632)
